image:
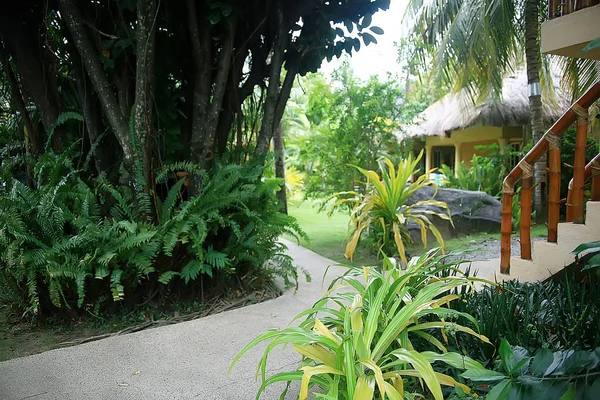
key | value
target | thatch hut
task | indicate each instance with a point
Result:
(452, 128)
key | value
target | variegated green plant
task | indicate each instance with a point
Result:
(383, 205)
(360, 341)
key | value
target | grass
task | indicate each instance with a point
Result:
(328, 235)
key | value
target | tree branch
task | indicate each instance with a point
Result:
(90, 59)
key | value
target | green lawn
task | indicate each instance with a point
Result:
(328, 234)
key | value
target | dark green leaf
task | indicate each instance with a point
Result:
(500, 391)
(577, 362)
(542, 360)
(366, 21)
(479, 375)
(593, 262)
(376, 30)
(587, 248)
(349, 25)
(190, 271)
(368, 39)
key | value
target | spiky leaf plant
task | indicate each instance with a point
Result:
(383, 205)
(360, 340)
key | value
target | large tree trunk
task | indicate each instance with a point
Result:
(533, 59)
(207, 103)
(93, 67)
(103, 155)
(146, 28)
(279, 148)
(32, 140)
(24, 45)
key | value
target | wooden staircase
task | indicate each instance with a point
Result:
(551, 256)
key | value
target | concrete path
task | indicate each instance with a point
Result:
(183, 361)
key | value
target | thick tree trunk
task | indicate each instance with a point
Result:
(279, 148)
(207, 102)
(92, 117)
(533, 59)
(32, 139)
(26, 49)
(146, 28)
(268, 120)
(91, 62)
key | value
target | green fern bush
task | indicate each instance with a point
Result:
(71, 244)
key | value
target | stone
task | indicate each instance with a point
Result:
(470, 211)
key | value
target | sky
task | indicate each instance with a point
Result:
(380, 58)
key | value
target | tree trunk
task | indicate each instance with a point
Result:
(25, 46)
(91, 62)
(103, 156)
(533, 59)
(279, 148)
(34, 145)
(146, 28)
(268, 120)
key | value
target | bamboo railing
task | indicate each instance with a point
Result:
(524, 170)
(560, 8)
(592, 170)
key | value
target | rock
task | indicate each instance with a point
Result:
(470, 211)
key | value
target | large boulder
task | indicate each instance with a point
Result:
(470, 211)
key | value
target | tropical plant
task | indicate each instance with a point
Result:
(588, 254)
(476, 43)
(565, 374)
(556, 314)
(352, 122)
(71, 244)
(384, 207)
(360, 340)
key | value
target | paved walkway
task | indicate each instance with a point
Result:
(183, 361)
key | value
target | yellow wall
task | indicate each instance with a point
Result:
(471, 137)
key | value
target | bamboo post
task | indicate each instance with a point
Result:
(506, 230)
(569, 216)
(552, 8)
(525, 224)
(566, 120)
(596, 188)
(579, 164)
(593, 169)
(554, 190)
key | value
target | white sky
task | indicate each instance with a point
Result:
(380, 58)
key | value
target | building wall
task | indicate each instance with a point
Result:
(466, 140)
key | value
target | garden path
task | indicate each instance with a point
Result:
(182, 361)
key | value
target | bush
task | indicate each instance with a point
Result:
(363, 339)
(72, 244)
(382, 208)
(555, 315)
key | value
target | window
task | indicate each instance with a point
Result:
(443, 155)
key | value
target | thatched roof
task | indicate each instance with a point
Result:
(456, 110)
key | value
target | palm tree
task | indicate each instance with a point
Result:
(477, 42)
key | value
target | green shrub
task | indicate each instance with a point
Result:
(565, 374)
(71, 244)
(360, 341)
(555, 315)
(383, 210)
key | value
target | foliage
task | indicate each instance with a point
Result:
(588, 254)
(549, 375)
(76, 244)
(487, 171)
(557, 315)
(359, 340)
(384, 208)
(351, 122)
